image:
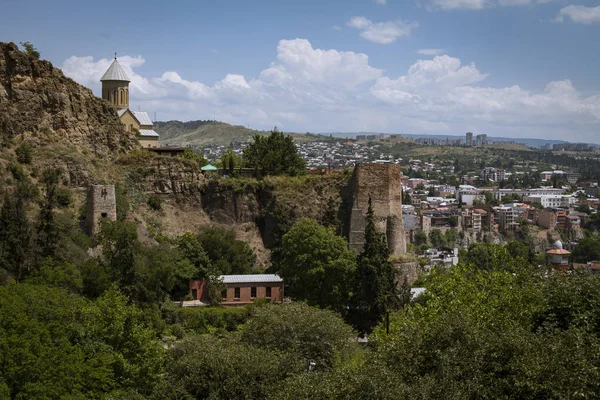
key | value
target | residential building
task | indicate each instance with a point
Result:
(442, 257)
(241, 289)
(505, 218)
(551, 201)
(552, 218)
(469, 139)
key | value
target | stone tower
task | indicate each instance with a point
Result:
(115, 86)
(380, 182)
(101, 204)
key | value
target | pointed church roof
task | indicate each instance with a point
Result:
(115, 73)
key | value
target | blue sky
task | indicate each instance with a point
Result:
(518, 68)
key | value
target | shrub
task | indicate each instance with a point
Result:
(24, 153)
(154, 202)
(63, 197)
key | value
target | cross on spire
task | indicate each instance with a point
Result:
(115, 55)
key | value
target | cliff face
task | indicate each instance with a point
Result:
(39, 104)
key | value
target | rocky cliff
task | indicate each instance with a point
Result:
(39, 104)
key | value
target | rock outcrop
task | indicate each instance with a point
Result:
(39, 104)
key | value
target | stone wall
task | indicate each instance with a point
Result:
(409, 270)
(101, 204)
(380, 183)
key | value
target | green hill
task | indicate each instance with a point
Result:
(202, 133)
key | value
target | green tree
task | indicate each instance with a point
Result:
(192, 250)
(420, 238)
(47, 230)
(302, 331)
(16, 233)
(275, 154)
(120, 250)
(31, 50)
(588, 249)
(227, 254)
(450, 238)
(316, 265)
(230, 162)
(436, 238)
(24, 153)
(375, 292)
(190, 154)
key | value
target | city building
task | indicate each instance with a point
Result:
(115, 90)
(442, 257)
(505, 218)
(469, 139)
(551, 201)
(552, 218)
(241, 289)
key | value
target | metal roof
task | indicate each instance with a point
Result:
(148, 132)
(142, 117)
(115, 73)
(256, 278)
(121, 112)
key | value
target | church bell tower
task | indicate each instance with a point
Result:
(115, 86)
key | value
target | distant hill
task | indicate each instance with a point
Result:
(202, 133)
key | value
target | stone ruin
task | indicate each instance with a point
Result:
(381, 183)
(101, 204)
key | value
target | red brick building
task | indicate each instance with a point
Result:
(242, 289)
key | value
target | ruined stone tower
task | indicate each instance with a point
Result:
(101, 204)
(380, 182)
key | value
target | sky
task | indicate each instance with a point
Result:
(512, 68)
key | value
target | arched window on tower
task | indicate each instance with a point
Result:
(126, 96)
(122, 96)
(115, 98)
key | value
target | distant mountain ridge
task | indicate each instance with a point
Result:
(202, 133)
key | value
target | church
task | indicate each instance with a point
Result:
(115, 90)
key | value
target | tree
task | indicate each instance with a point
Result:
(453, 221)
(192, 250)
(275, 154)
(121, 250)
(47, 230)
(190, 154)
(450, 238)
(16, 233)
(436, 238)
(230, 162)
(227, 254)
(24, 153)
(375, 292)
(420, 238)
(302, 331)
(31, 50)
(316, 265)
(588, 249)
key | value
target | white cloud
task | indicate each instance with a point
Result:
(477, 4)
(580, 14)
(382, 2)
(321, 90)
(430, 52)
(381, 32)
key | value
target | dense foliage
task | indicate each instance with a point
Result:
(275, 154)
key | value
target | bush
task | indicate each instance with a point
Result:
(63, 197)
(154, 202)
(204, 320)
(24, 153)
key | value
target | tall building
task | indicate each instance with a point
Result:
(469, 139)
(115, 90)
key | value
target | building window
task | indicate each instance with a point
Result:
(194, 294)
(236, 293)
(253, 292)
(121, 92)
(268, 292)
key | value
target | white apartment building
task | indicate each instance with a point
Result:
(551, 201)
